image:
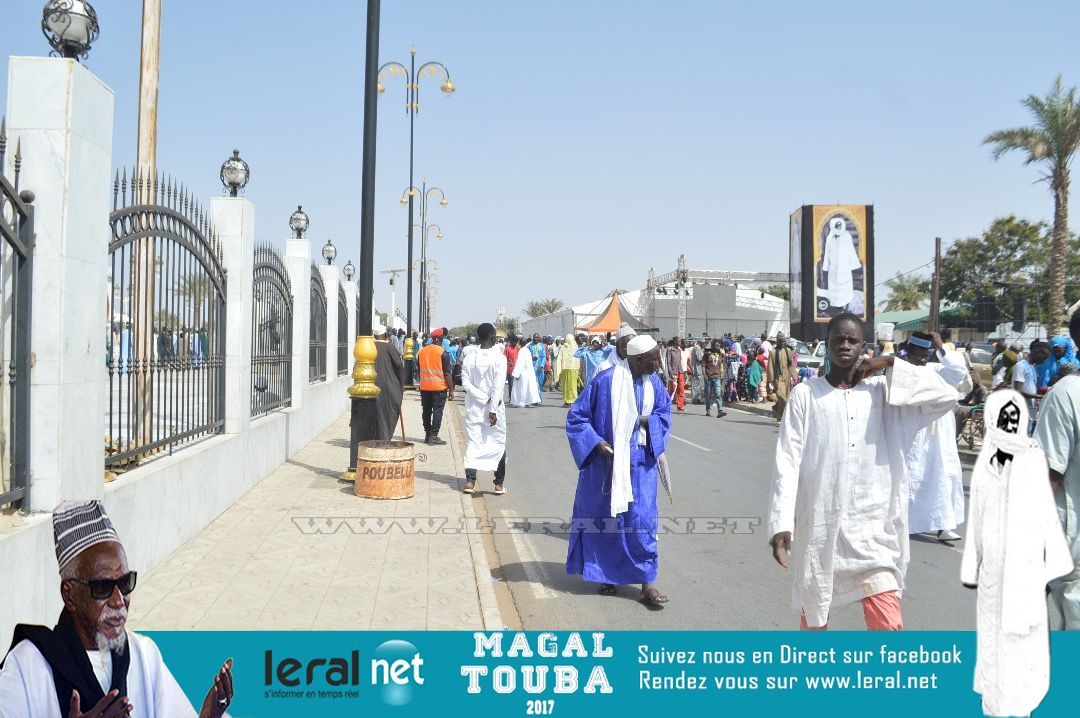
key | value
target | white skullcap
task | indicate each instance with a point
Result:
(625, 331)
(640, 345)
(77, 526)
(377, 330)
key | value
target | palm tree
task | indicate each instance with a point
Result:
(552, 305)
(906, 292)
(1051, 142)
(196, 287)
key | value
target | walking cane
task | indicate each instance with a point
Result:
(401, 418)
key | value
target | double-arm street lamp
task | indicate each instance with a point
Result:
(425, 194)
(425, 276)
(429, 274)
(413, 75)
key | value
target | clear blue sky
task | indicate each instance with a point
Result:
(589, 141)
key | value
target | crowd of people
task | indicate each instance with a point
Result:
(905, 402)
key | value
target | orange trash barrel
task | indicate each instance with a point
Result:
(384, 470)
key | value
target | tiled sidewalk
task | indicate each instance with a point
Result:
(255, 568)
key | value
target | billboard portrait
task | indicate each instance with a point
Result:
(795, 265)
(839, 261)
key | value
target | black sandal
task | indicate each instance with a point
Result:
(607, 589)
(652, 597)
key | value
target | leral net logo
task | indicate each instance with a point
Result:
(395, 668)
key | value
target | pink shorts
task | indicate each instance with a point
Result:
(881, 611)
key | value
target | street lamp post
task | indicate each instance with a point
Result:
(393, 292)
(428, 278)
(424, 278)
(364, 392)
(425, 194)
(413, 75)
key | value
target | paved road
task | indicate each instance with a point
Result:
(715, 579)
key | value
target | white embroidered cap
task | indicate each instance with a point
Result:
(640, 345)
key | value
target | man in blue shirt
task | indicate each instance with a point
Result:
(1025, 379)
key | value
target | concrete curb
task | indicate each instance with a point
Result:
(485, 590)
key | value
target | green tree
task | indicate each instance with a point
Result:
(1008, 261)
(465, 330)
(1051, 143)
(540, 307)
(906, 292)
(509, 325)
(779, 290)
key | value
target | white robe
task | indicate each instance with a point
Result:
(935, 476)
(525, 391)
(840, 260)
(27, 689)
(840, 485)
(483, 374)
(1014, 546)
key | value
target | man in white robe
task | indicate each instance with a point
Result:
(935, 476)
(89, 664)
(482, 375)
(838, 505)
(839, 260)
(525, 390)
(1058, 433)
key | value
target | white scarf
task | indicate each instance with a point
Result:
(625, 419)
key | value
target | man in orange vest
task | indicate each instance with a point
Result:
(435, 385)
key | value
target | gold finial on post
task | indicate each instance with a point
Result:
(363, 372)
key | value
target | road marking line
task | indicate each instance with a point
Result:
(530, 561)
(696, 446)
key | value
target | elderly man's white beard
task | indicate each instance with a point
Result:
(118, 644)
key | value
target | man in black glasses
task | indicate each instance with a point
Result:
(89, 664)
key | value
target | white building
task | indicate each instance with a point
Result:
(686, 302)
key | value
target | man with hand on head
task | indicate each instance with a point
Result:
(839, 499)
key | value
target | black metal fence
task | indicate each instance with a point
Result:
(343, 349)
(165, 321)
(317, 352)
(271, 333)
(16, 272)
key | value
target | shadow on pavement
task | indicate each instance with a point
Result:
(565, 583)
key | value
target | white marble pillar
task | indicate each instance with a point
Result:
(234, 219)
(63, 116)
(331, 278)
(350, 301)
(298, 263)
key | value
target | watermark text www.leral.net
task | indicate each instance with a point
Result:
(539, 525)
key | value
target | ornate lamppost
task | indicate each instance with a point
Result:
(429, 71)
(425, 193)
(299, 222)
(329, 252)
(235, 174)
(70, 26)
(348, 270)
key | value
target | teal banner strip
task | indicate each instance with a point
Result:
(579, 673)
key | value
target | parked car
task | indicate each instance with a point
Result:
(980, 355)
(807, 358)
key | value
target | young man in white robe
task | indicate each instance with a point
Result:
(89, 664)
(935, 476)
(838, 506)
(482, 375)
